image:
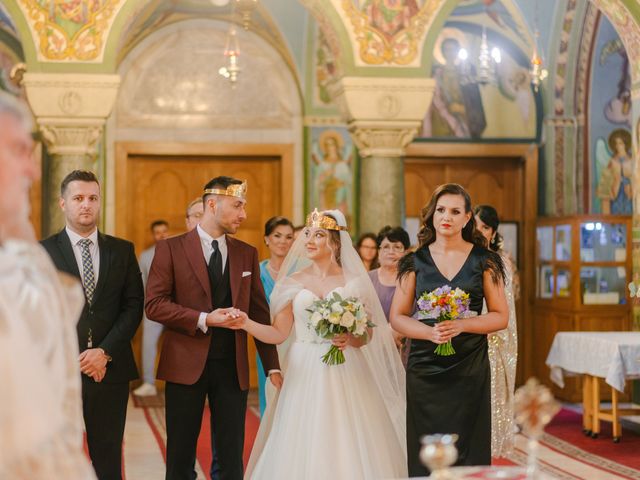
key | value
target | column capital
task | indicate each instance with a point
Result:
(383, 114)
(71, 109)
(383, 138)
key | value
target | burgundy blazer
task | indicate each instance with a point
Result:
(178, 289)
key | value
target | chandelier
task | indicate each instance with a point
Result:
(231, 52)
(537, 72)
(487, 63)
(244, 9)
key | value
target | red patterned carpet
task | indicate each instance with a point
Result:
(565, 453)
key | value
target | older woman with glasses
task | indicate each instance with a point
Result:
(392, 244)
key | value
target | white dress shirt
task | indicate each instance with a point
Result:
(207, 251)
(93, 249)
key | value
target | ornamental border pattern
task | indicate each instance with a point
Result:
(55, 44)
(403, 47)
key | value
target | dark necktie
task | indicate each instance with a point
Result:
(215, 266)
(88, 277)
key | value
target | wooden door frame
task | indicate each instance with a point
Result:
(124, 150)
(528, 152)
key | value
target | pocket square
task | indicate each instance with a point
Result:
(245, 274)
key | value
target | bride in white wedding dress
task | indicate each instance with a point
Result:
(329, 421)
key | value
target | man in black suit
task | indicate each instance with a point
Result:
(110, 275)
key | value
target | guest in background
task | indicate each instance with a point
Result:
(367, 248)
(503, 345)
(112, 313)
(151, 331)
(195, 209)
(392, 243)
(278, 236)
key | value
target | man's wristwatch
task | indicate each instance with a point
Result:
(105, 354)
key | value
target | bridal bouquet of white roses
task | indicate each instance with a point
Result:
(334, 316)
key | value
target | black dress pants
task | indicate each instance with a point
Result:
(184, 409)
(104, 408)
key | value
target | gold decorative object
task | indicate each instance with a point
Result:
(238, 190)
(534, 409)
(317, 220)
(245, 8)
(438, 453)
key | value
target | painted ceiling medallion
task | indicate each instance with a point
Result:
(390, 32)
(68, 30)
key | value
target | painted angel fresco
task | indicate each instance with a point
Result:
(614, 168)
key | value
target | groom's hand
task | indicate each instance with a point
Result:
(276, 379)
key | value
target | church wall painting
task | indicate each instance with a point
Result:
(610, 125)
(8, 59)
(331, 168)
(465, 109)
(389, 32)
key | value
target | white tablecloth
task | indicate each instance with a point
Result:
(614, 356)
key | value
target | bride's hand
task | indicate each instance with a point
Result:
(276, 379)
(237, 320)
(341, 341)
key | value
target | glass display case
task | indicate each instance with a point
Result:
(582, 272)
(584, 259)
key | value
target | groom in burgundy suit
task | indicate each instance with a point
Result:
(198, 283)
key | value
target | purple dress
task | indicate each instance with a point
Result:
(384, 292)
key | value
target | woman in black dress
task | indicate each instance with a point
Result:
(450, 394)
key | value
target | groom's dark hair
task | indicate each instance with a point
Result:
(221, 182)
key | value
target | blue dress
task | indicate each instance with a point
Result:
(268, 284)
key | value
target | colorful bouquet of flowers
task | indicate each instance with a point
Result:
(334, 316)
(442, 304)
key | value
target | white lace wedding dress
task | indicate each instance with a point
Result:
(329, 422)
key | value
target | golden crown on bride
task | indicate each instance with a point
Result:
(317, 219)
(236, 190)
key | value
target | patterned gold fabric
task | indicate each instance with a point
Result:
(503, 356)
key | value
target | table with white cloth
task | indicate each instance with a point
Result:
(614, 356)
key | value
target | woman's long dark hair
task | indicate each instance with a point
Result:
(489, 216)
(470, 233)
(427, 234)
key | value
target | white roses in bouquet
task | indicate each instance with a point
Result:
(334, 316)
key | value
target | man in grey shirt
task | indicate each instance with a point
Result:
(151, 331)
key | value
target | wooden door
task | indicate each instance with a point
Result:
(161, 187)
(494, 181)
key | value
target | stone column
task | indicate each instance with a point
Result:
(383, 116)
(70, 111)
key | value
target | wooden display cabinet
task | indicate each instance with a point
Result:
(583, 268)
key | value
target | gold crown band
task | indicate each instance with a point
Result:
(317, 220)
(236, 190)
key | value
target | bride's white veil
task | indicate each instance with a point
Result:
(381, 353)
